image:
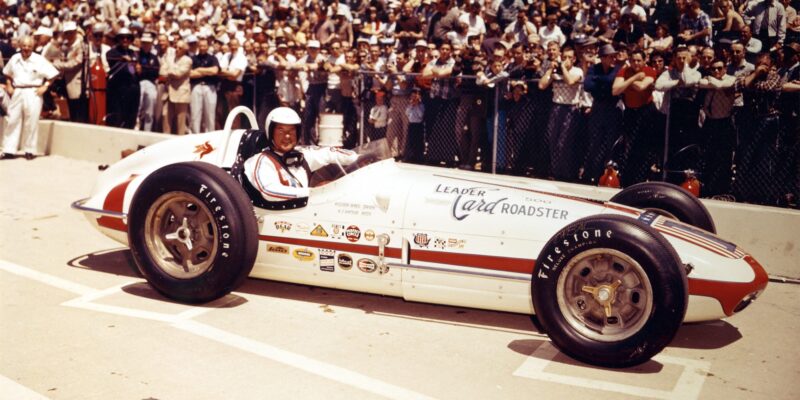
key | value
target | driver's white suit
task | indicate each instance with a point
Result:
(283, 178)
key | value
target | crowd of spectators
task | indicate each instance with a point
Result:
(552, 88)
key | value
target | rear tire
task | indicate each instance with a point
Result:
(609, 291)
(669, 200)
(192, 232)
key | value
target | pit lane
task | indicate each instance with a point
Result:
(78, 323)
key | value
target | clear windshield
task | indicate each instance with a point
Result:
(368, 153)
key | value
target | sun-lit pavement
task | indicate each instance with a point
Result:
(77, 323)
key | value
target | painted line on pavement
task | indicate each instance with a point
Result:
(688, 386)
(310, 365)
(10, 389)
(41, 277)
(182, 321)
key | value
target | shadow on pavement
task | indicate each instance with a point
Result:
(528, 348)
(114, 261)
(120, 262)
(706, 335)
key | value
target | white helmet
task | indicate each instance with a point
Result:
(280, 115)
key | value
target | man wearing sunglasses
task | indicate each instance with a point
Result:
(717, 135)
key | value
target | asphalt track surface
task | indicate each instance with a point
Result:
(76, 323)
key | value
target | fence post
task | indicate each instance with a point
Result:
(495, 126)
(666, 139)
(361, 112)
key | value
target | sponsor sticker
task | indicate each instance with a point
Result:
(439, 243)
(344, 261)
(352, 233)
(367, 265)
(455, 243)
(301, 228)
(274, 248)
(369, 235)
(283, 226)
(319, 231)
(303, 254)
(326, 260)
(422, 239)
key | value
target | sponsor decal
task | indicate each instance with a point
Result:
(283, 226)
(439, 243)
(367, 265)
(319, 231)
(326, 260)
(474, 200)
(422, 239)
(274, 248)
(303, 254)
(369, 235)
(344, 261)
(455, 243)
(203, 149)
(301, 228)
(337, 230)
(352, 233)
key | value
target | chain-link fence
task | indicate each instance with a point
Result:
(748, 152)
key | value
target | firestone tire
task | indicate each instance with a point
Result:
(667, 199)
(609, 291)
(192, 232)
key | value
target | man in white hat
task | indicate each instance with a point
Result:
(70, 65)
(28, 76)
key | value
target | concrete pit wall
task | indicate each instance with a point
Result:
(769, 233)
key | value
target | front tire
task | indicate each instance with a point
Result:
(192, 232)
(609, 291)
(669, 200)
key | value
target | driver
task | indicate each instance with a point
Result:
(281, 171)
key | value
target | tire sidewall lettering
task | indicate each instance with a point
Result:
(224, 242)
(568, 243)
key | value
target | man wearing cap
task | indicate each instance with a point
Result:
(205, 68)
(603, 124)
(147, 68)
(70, 65)
(28, 77)
(123, 82)
(314, 66)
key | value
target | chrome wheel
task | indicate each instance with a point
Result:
(604, 294)
(180, 234)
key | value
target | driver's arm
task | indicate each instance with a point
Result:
(320, 157)
(265, 176)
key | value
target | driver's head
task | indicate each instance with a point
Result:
(281, 126)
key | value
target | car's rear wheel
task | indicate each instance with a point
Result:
(192, 232)
(669, 200)
(609, 291)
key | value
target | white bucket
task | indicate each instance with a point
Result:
(331, 129)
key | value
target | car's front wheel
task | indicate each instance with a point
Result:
(609, 291)
(192, 232)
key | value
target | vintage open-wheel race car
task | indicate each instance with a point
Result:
(609, 282)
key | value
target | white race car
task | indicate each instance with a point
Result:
(610, 282)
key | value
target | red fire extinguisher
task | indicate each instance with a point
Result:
(691, 183)
(610, 176)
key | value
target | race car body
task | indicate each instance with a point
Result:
(603, 270)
